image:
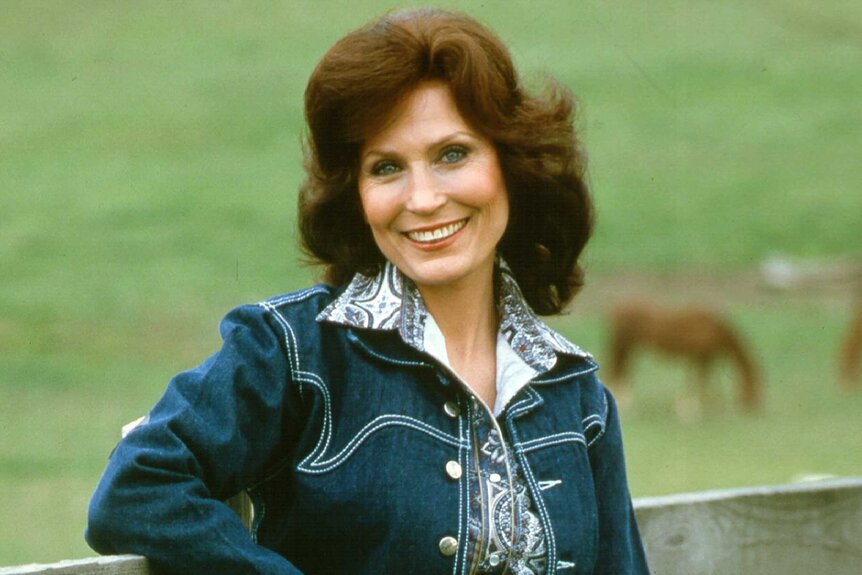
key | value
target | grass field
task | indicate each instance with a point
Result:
(149, 161)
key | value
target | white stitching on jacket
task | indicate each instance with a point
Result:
(556, 439)
(386, 358)
(314, 463)
(540, 505)
(318, 465)
(462, 489)
(591, 368)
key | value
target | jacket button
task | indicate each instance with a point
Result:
(448, 546)
(453, 469)
(451, 408)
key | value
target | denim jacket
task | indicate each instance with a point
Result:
(341, 433)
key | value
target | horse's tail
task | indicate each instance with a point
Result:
(750, 392)
(851, 349)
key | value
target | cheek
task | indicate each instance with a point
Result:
(375, 213)
(500, 215)
(490, 185)
(499, 209)
(375, 209)
(495, 197)
(503, 208)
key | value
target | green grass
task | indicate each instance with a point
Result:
(149, 161)
(809, 425)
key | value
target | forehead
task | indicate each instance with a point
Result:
(426, 113)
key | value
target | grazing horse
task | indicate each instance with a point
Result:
(851, 349)
(695, 334)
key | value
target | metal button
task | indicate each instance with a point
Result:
(451, 408)
(453, 469)
(495, 478)
(448, 546)
(495, 559)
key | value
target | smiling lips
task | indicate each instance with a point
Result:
(435, 235)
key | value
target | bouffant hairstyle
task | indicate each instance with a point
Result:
(349, 98)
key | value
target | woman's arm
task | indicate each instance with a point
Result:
(216, 431)
(620, 546)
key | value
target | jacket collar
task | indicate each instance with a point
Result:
(390, 301)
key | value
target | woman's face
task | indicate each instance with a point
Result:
(433, 192)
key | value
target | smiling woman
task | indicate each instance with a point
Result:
(433, 194)
(412, 414)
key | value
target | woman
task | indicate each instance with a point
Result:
(411, 415)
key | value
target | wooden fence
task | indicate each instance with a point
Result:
(785, 530)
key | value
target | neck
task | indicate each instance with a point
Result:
(467, 317)
(465, 313)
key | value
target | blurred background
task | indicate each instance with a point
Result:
(150, 154)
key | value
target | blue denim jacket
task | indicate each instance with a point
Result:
(340, 436)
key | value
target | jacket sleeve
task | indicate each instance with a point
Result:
(214, 432)
(620, 546)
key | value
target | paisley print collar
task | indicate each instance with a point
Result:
(391, 301)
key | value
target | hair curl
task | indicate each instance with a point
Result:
(350, 96)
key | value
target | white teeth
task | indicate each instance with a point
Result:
(436, 234)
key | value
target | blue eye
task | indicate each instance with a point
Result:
(384, 168)
(453, 154)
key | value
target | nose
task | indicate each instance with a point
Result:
(425, 194)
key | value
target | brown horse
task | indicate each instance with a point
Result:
(851, 349)
(696, 334)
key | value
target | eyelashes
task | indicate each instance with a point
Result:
(384, 168)
(453, 154)
(448, 156)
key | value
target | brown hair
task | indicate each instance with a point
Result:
(350, 96)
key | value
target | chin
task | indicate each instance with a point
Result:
(444, 272)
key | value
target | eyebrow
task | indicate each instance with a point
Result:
(435, 144)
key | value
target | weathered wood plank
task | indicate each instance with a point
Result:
(108, 565)
(787, 530)
(241, 505)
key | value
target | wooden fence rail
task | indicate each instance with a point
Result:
(784, 530)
